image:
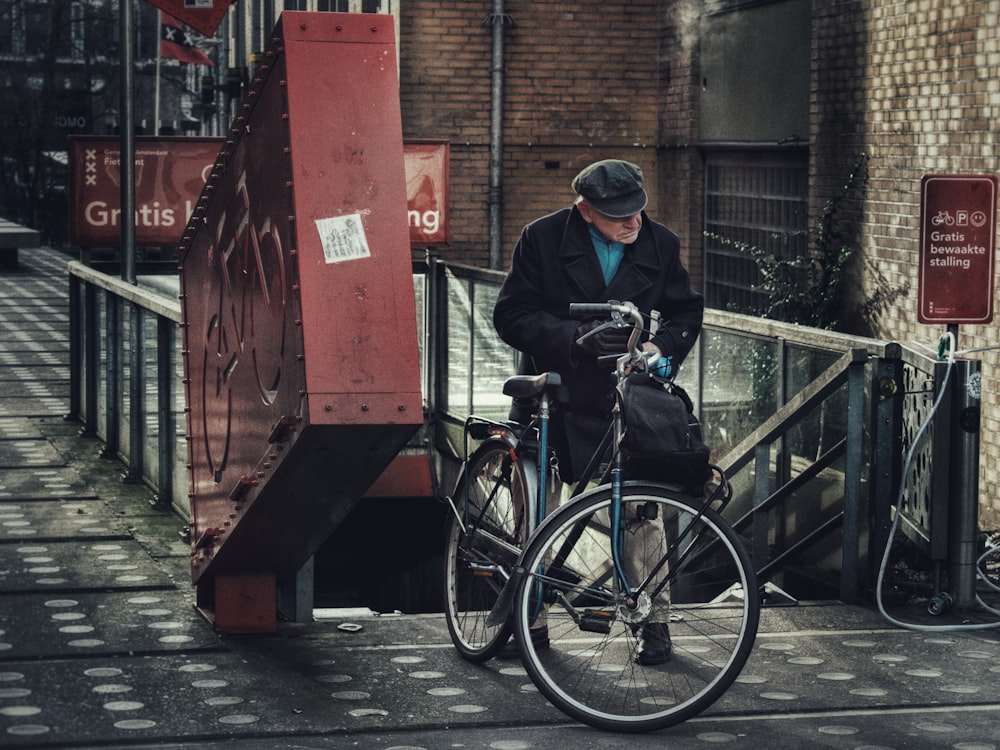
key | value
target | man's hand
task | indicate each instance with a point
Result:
(605, 342)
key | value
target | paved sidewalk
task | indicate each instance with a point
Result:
(100, 645)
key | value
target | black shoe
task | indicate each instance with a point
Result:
(539, 637)
(654, 647)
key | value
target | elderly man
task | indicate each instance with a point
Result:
(604, 247)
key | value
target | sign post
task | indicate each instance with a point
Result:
(957, 248)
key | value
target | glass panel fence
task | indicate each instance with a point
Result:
(102, 365)
(738, 386)
(150, 399)
(738, 376)
(127, 315)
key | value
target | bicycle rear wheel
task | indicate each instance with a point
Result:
(710, 600)
(485, 536)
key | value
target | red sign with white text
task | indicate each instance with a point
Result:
(957, 248)
(426, 168)
(171, 172)
(169, 176)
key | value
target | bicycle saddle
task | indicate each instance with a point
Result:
(528, 386)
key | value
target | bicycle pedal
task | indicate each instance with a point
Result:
(597, 621)
(647, 511)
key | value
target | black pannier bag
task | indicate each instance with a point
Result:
(663, 438)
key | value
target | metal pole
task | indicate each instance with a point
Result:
(963, 514)
(156, 99)
(126, 30)
(497, 19)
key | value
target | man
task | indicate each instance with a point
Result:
(602, 248)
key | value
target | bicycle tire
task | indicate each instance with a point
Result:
(594, 677)
(484, 538)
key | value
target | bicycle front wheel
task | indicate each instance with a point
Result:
(485, 536)
(685, 569)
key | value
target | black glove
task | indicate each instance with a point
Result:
(608, 341)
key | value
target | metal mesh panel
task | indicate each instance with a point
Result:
(917, 500)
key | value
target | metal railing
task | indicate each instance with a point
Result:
(802, 420)
(810, 425)
(125, 376)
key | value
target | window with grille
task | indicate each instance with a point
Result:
(723, 6)
(34, 29)
(752, 199)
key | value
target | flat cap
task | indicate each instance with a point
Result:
(613, 187)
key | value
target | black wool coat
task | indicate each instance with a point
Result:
(553, 265)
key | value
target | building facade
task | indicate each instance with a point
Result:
(751, 118)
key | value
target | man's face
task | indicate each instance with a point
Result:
(624, 230)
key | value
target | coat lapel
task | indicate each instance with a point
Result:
(637, 270)
(578, 261)
(635, 275)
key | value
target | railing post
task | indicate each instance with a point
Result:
(167, 442)
(438, 327)
(762, 490)
(430, 313)
(137, 395)
(782, 450)
(853, 466)
(92, 343)
(470, 379)
(886, 451)
(75, 349)
(112, 372)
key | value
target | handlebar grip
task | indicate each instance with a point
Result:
(587, 308)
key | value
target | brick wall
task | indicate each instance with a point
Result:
(583, 81)
(914, 85)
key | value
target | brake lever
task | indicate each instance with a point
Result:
(616, 322)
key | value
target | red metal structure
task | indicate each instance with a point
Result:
(300, 340)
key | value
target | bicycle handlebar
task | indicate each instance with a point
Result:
(592, 308)
(618, 312)
(586, 308)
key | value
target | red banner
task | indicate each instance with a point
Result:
(169, 176)
(201, 15)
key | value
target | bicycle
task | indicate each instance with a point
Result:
(571, 571)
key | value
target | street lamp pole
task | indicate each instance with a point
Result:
(126, 27)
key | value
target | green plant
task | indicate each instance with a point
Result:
(807, 286)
